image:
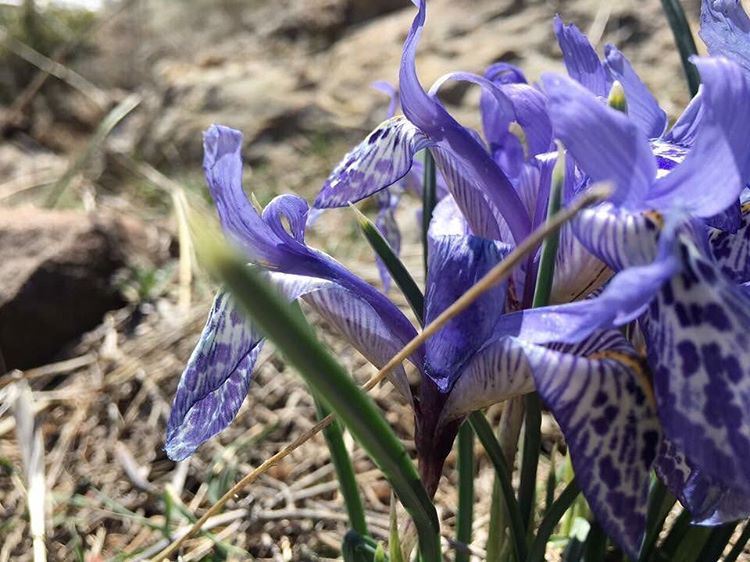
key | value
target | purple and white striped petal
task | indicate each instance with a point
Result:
(216, 379)
(707, 190)
(642, 106)
(362, 327)
(698, 335)
(384, 157)
(725, 29)
(605, 143)
(731, 250)
(708, 501)
(581, 60)
(455, 263)
(601, 404)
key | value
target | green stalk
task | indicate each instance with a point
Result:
(550, 521)
(465, 515)
(342, 463)
(482, 428)
(542, 291)
(595, 547)
(395, 266)
(330, 381)
(429, 200)
(685, 41)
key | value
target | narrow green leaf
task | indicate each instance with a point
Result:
(429, 200)
(482, 428)
(718, 539)
(533, 405)
(692, 544)
(660, 502)
(395, 266)
(331, 383)
(684, 39)
(395, 553)
(674, 538)
(739, 546)
(551, 481)
(550, 521)
(342, 463)
(465, 515)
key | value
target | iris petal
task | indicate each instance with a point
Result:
(606, 144)
(731, 250)
(609, 425)
(697, 335)
(480, 171)
(581, 60)
(717, 167)
(725, 29)
(384, 157)
(455, 263)
(708, 501)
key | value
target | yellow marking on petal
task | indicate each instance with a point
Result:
(637, 366)
(655, 217)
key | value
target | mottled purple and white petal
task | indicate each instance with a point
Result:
(709, 502)
(384, 157)
(643, 108)
(216, 379)
(725, 29)
(598, 392)
(698, 335)
(731, 250)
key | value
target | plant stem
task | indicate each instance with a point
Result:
(550, 521)
(685, 42)
(465, 515)
(517, 529)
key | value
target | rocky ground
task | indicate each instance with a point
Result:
(98, 314)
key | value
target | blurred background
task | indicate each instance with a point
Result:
(102, 107)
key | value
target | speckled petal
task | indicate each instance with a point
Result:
(598, 393)
(698, 335)
(731, 250)
(380, 160)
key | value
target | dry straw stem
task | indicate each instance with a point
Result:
(496, 275)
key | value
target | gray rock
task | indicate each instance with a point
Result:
(56, 270)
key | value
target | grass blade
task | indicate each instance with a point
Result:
(550, 521)
(465, 515)
(333, 385)
(542, 291)
(660, 502)
(342, 463)
(429, 200)
(395, 266)
(684, 39)
(482, 428)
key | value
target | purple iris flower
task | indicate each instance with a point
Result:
(655, 172)
(684, 412)
(725, 29)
